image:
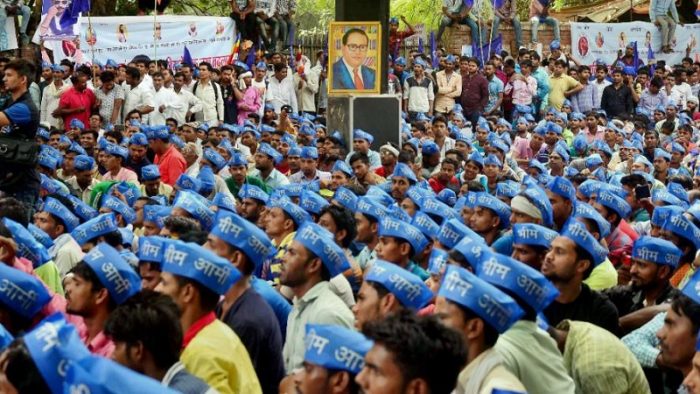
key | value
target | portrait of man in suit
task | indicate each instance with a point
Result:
(350, 71)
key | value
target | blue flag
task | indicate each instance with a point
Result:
(187, 58)
(433, 50)
(250, 60)
(420, 45)
(70, 17)
(498, 4)
(482, 53)
(650, 56)
(635, 54)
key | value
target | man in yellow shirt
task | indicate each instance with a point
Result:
(561, 86)
(195, 278)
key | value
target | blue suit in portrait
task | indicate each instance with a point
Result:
(342, 80)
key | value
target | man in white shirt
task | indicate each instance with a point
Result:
(209, 93)
(51, 96)
(600, 83)
(188, 104)
(186, 70)
(165, 100)
(682, 88)
(307, 87)
(280, 90)
(139, 97)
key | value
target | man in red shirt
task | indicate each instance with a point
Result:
(396, 36)
(168, 159)
(76, 102)
(445, 178)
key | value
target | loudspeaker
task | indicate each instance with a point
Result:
(367, 11)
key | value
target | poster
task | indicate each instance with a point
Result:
(355, 57)
(58, 28)
(121, 38)
(594, 41)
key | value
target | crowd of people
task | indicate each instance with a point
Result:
(536, 229)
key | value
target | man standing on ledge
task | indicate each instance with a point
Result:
(349, 73)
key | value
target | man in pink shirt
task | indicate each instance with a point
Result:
(524, 85)
(168, 159)
(116, 157)
(76, 102)
(102, 281)
(593, 131)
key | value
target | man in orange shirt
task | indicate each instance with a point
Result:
(168, 159)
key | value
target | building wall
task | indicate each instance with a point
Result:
(457, 36)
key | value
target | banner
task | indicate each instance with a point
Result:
(604, 41)
(121, 38)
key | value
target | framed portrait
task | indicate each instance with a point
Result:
(354, 57)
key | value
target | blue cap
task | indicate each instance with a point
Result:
(24, 294)
(448, 197)
(499, 310)
(268, 150)
(390, 227)
(118, 206)
(586, 211)
(452, 231)
(83, 163)
(437, 261)
(341, 166)
(500, 208)
(194, 262)
(320, 242)
(156, 132)
(438, 209)
(243, 235)
(662, 213)
(562, 152)
(83, 210)
(667, 198)
(309, 152)
(370, 207)
(47, 161)
(311, 202)
(430, 148)
(555, 44)
(156, 214)
(407, 287)
(658, 152)
(336, 348)
(139, 139)
(40, 235)
(425, 224)
(562, 187)
(237, 160)
(150, 172)
(533, 235)
(493, 160)
(187, 182)
(251, 191)
(224, 201)
(679, 191)
(114, 272)
(682, 227)
(53, 345)
(298, 215)
(692, 288)
(214, 158)
(578, 233)
(117, 150)
(151, 249)
(129, 190)
(76, 148)
(77, 124)
(195, 205)
(657, 251)
(346, 198)
(519, 279)
(95, 227)
(403, 170)
(507, 189)
(614, 202)
(539, 199)
(98, 375)
(207, 180)
(54, 207)
(359, 134)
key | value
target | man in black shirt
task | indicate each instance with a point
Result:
(617, 98)
(653, 262)
(19, 121)
(243, 309)
(573, 256)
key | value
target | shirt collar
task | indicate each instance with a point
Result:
(197, 327)
(174, 370)
(312, 294)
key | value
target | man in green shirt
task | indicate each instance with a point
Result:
(312, 259)
(238, 167)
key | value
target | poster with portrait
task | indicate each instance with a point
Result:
(354, 57)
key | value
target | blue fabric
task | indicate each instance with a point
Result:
(342, 79)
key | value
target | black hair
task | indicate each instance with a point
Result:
(21, 370)
(354, 31)
(116, 134)
(94, 133)
(133, 72)
(359, 156)
(406, 157)
(422, 347)
(279, 67)
(180, 225)
(490, 333)
(197, 236)
(107, 76)
(207, 65)
(685, 306)
(357, 189)
(208, 299)
(583, 254)
(153, 319)
(344, 220)
(171, 120)
(14, 209)
(633, 180)
(441, 119)
(475, 186)
(86, 273)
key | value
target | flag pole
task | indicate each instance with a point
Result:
(92, 46)
(155, 41)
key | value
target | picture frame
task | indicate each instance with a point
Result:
(354, 57)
